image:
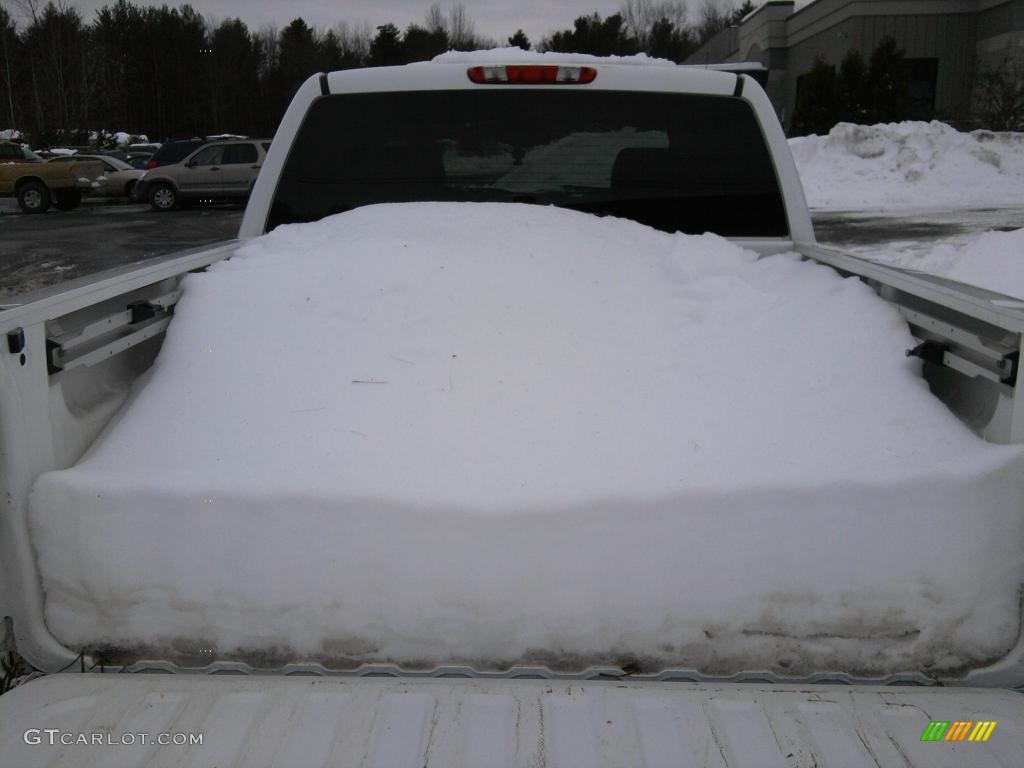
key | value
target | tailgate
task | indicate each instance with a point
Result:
(294, 722)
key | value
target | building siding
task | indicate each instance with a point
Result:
(960, 34)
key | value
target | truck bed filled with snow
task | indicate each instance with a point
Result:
(910, 164)
(494, 434)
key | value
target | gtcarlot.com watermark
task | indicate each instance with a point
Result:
(55, 736)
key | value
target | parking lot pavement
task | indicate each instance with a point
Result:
(43, 249)
(868, 232)
(37, 251)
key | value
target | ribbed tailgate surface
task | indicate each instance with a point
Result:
(296, 722)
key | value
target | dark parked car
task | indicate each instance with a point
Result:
(174, 151)
(138, 160)
(11, 152)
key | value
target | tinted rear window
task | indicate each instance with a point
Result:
(677, 162)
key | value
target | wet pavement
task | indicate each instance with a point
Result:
(866, 231)
(43, 249)
(40, 250)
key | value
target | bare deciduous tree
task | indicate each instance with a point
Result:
(354, 39)
(641, 16)
(435, 20)
(461, 31)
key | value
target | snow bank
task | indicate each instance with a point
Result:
(992, 260)
(910, 164)
(516, 55)
(499, 433)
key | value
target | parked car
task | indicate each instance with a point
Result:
(118, 178)
(138, 160)
(147, 147)
(38, 185)
(117, 153)
(11, 152)
(224, 170)
(174, 151)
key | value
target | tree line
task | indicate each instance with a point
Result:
(171, 72)
(859, 91)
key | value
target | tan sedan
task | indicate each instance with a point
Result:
(117, 180)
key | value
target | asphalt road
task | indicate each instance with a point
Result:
(37, 251)
(40, 250)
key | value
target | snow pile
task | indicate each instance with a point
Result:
(9, 134)
(992, 260)
(500, 433)
(910, 164)
(514, 55)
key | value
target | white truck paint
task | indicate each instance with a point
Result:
(70, 354)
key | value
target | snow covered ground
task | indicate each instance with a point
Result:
(916, 170)
(992, 260)
(562, 440)
(910, 164)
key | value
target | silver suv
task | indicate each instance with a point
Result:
(224, 170)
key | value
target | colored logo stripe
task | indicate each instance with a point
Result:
(935, 731)
(982, 730)
(958, 730)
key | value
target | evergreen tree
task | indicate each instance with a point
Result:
(330, 55)
(745, 8)
(889, 78)
(421, 44)
(593, 35)
(816, 100)
(852, 88)
(519, 40)
(666, 41)
(386, 48)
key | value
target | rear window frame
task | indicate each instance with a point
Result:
(782, 223)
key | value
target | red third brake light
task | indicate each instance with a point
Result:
(532, 74)
(150, 164)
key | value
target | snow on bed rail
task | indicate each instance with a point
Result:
(910, 164)
(483, 433)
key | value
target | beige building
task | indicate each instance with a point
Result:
(945, 41)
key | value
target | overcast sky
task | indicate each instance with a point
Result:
(496, 18)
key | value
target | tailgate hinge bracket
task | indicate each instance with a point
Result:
(16, 340)
(1008, 367)
(929, 351)
(141, 311)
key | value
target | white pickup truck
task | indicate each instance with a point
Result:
(153, 622)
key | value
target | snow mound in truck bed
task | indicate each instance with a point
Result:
(499, 433)
(910, 164)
